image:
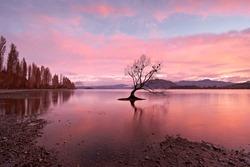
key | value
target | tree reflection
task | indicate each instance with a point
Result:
(137, 110)
(30, 103)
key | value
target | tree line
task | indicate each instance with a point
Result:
(17, 74)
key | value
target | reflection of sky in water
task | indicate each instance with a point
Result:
(94, 122)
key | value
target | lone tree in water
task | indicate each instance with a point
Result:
(141, 72)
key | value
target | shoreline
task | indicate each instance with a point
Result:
(18, 147)
(18, 142)
(29, 90)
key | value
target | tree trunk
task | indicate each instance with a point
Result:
(132, 94)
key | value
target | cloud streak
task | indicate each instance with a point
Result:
(104, 10)
(195, 56)
(203, 8)
(93, 42)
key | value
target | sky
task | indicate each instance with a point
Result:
(92, 41)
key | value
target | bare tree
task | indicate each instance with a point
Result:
(141, 73)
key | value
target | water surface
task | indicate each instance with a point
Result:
(93, 123)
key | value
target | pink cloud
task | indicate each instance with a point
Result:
(204, 8)
(104, 10)
(194, 56)
(62, 44)
(160, 15)
(88, 55)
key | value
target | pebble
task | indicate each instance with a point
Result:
(247, 160)
(231, 163)
(18, 146)
(157, 161)
(188, 162)
(215, 147)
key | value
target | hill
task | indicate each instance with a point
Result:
(160, 84)
(165, 84)
(204, 83)
(245, 85)
(118, 86)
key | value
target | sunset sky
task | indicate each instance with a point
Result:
(93, 41)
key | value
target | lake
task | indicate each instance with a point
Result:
(93, 123)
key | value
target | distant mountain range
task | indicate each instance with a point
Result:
(245, 85)
(165, 84)
(204, 83)
(118, 86)
(160, 84)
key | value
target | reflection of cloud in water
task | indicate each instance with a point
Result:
(32, 102)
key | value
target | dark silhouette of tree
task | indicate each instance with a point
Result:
(23, 72)
(29, 77)
(38, 78)
(46, 77)
(14, 75)
(2, 51)
(35, 78)
(13, 61)
(67, 83)
(18, 69)
(55, 82)
(141, 75)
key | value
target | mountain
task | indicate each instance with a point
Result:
(165, 84)
(79, 83)
(160, 84)
(185, 87)
(244, 85)
(204, 83)
(154, 84)
(119, 86)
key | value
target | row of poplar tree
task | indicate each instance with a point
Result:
(18, 75)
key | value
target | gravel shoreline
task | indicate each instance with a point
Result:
(18, 148)
(18, 143)
(177, 151)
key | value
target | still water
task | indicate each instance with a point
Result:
(93, 123)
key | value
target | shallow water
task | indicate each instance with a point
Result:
(92, 126)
